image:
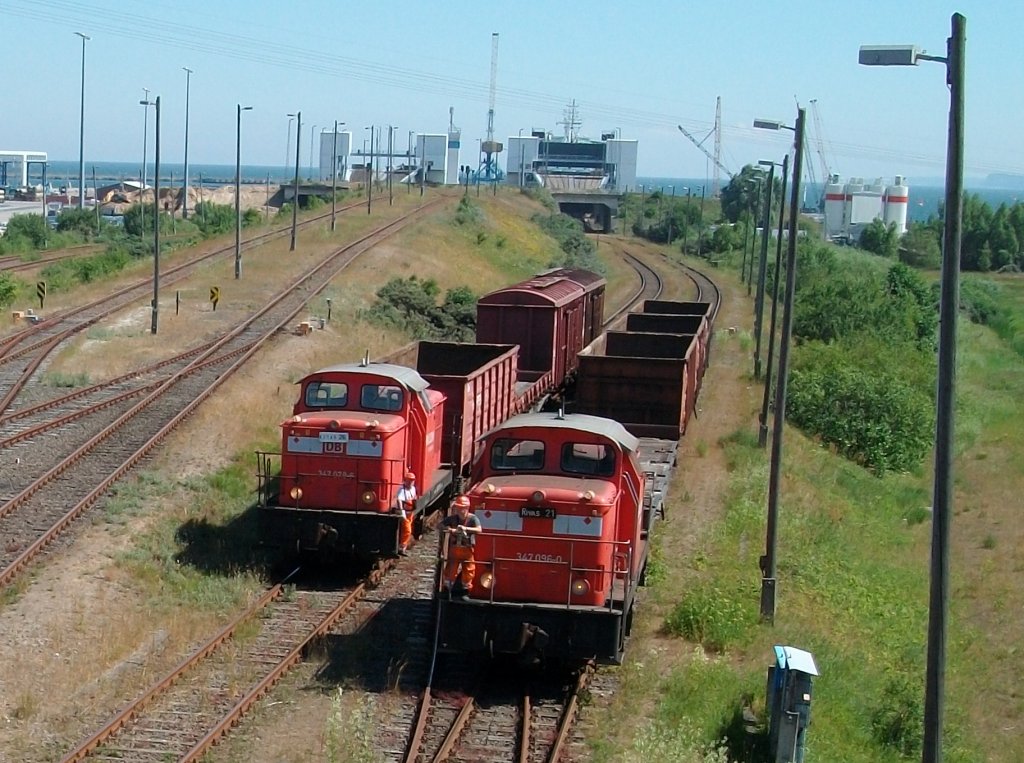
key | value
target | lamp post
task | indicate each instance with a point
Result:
(768, 560)
(762, 264)
(312, 135)
(409, 184)
(156, 217)
(238, 189)
(81, 133)
(762, 436)
(700, 222)
(369, 178)
(288, 145)
(295, 197)
(184, 202)
(334, 176)
(145, 155)
(942, 500)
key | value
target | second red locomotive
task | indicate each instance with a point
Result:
(357, 429)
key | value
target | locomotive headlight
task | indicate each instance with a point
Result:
(368, 496)
(372, 424)
(580, 587)
(295, 493)
(297, 418)
(538, 496)
(334, 425)
(488, 488)
(587, 496)
(487, 580)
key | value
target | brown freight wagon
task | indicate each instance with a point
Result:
(551, 316)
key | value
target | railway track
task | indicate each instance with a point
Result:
(400, 653)
(23, 353)
(34, 515)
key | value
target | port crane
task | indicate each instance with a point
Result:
(700, 144)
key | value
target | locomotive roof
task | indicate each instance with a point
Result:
(582, 422)
(405, 376)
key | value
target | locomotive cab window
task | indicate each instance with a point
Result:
(381, 397)
(327, 395)
(514, 454)
(588, 458)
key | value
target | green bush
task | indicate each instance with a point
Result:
(711, 617)
(577, 250)
(854, 399)
(76, 220)
(979, 300)
(8, 290)
(898, 719)
(28, 230)
(410, 305)
(79, 270)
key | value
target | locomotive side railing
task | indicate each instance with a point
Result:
(620, 573)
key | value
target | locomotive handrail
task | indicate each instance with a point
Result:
(614, 573)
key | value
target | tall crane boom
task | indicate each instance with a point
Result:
(494, 85)
(706, 153)
(819, 141)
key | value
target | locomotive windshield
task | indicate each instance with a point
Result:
(326, 395)
(510, 453)
(588, 458)
(381, 397)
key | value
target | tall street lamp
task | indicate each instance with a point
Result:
(334, 176)
(288, 145)
(81, 133)
(156, 216)
(768, 560)
(762, 264)
(942, 500)
(238, 190)
(184, 202)
(145, 155)
(369, 178)
(408, 185)
(295, 197)
(312, 135)
(762, 435)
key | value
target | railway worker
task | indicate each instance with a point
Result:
(463, 526)
(405, 504)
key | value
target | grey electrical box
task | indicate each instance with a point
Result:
(788, 703)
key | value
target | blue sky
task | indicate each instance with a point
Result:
(642, 68)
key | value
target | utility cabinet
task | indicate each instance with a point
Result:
(788, 703)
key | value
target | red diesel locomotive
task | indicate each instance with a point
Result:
(356, 429)
(565, 508)
(567, 502)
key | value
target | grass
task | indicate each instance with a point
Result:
(853, 569)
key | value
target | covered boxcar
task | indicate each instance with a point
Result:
(552, 316)
(565, 507)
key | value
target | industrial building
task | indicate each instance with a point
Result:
(852, 206)
(432, 158)
(585, 177)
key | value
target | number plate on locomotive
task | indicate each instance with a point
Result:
(537, 512)
(334, 437)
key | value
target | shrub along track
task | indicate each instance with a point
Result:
(23, 352)
(179, 720)
(34, 517)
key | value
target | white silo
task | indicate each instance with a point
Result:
(896, 198)
(835, 204)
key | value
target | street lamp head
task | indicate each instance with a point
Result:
(244, 108)
(889, 55)
(146, 102)
(769, 124)
(83, 36)
(187, 70)
(766, 163)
